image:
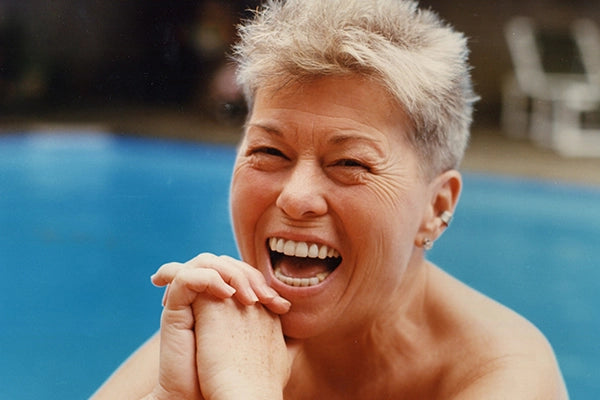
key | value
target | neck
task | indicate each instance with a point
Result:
(378, 352)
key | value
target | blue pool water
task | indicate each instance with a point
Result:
(86, 218)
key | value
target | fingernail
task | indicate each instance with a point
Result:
(268, 294)
(272, 292)
(252, 296)
(230, 290)
(284, 302)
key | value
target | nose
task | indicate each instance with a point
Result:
(302, 194)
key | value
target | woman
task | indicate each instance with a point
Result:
(346, 175)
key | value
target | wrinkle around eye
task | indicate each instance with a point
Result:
(353, 174)
(266, 158)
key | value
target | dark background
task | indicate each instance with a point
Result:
(73, 54)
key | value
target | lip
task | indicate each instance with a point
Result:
(296, 291)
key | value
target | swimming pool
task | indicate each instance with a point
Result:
(86, 217)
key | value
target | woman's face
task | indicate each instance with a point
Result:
(327, 201)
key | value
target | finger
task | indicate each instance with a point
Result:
(207, 280)
(278, 305)
(166, 273)
(188, 283)
(177, 366)
(249, 283)
(235, 274)
(265, 293)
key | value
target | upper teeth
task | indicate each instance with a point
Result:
(302, 249)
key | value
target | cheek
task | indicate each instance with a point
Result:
(241, 205)
(382, 228)
(384, 210)
(249, 198)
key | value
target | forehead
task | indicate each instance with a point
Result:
(351, 102)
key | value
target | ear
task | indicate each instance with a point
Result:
(444, 194)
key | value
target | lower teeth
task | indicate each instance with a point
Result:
(300, 282)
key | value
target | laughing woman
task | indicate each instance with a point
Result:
(345, 177)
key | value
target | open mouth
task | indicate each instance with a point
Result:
(302, 264)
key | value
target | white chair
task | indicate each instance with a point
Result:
(545, 102)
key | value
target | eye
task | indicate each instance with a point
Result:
(349, 171)
(270, 151)
(273, 152)
(266, 158)
(350, 163)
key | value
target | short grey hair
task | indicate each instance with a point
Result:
(411, 52)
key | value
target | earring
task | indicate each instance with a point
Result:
(446, 217)
(427, 244)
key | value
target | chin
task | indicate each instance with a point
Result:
(297, 325)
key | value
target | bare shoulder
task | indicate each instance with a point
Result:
(136, 377)
(498, 353)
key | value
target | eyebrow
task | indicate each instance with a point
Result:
(339, 137)
(342, 137)
(270, 129)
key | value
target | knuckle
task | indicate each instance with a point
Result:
(188, 279)
(242, 266)
(207, 261)
(223, 267)
(204, 258)
(238, 280)
(256, 274)
(212, 274)
(180, 276)
(170, 266)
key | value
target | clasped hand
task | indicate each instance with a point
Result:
(220, 334)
